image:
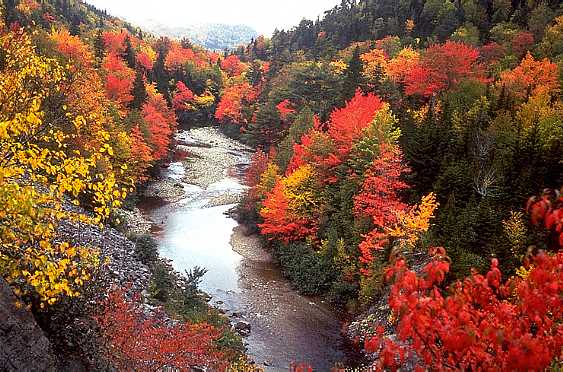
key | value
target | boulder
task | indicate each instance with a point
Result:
(243, 328)
(23, 345)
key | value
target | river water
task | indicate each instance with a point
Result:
(242, 279)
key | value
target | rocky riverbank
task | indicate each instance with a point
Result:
(211, 154)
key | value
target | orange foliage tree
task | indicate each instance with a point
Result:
(119, 80)
(442, 67)
(160, 123)
(178, 56)
(72, 48)
(149, 343)
(232, 65)
(230, 106)
(531, 76)
(291, 210)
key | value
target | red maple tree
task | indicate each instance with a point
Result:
(119, 79)
(183, 96)
(346, 124)
(379, 198)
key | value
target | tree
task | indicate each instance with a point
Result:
(379, 198)
(141, 153)
(301, 125)
(119, 80)
(290, 210)
(230, 106)
(400, 67)
(139, 92)
(232, 65)
(183, 97)
(442, 67)
(478, 323)
(160, 123)
(177, 56)
(115, 41)
(531, 77)
(346, 124)
(353, 76)
(375, 62)
(72, 48)
(129, 54)
(99, 46)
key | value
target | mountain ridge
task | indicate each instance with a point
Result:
(212, 36)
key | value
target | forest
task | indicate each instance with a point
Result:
(407, 163)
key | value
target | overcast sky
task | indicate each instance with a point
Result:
(262, 15)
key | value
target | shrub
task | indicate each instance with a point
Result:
(309, 272)
(146, 249)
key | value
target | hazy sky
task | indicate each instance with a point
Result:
(262, 15)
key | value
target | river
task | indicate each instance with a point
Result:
(192, 229)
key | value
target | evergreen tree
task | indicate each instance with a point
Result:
(130, 55)
(75, 26)
(353, 76)
(139, 91)
(161, 76)
(99, 46)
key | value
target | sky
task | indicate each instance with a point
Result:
(262, 15)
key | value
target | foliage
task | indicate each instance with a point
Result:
(119, 79)
(231, 103)
(379, 199)
(289, 209)
(159, 119)
(38, 170)
(148, 343)
(444, 66)
(481, 323)
(531, 77)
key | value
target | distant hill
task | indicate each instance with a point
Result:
(213, 36)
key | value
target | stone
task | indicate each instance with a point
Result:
(243, 328)
(23, 345)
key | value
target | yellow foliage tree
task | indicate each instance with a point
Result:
(414, 222)
(38, 171)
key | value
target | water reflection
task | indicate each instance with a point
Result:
(196, 236)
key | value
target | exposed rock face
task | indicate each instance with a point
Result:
(23, 345)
